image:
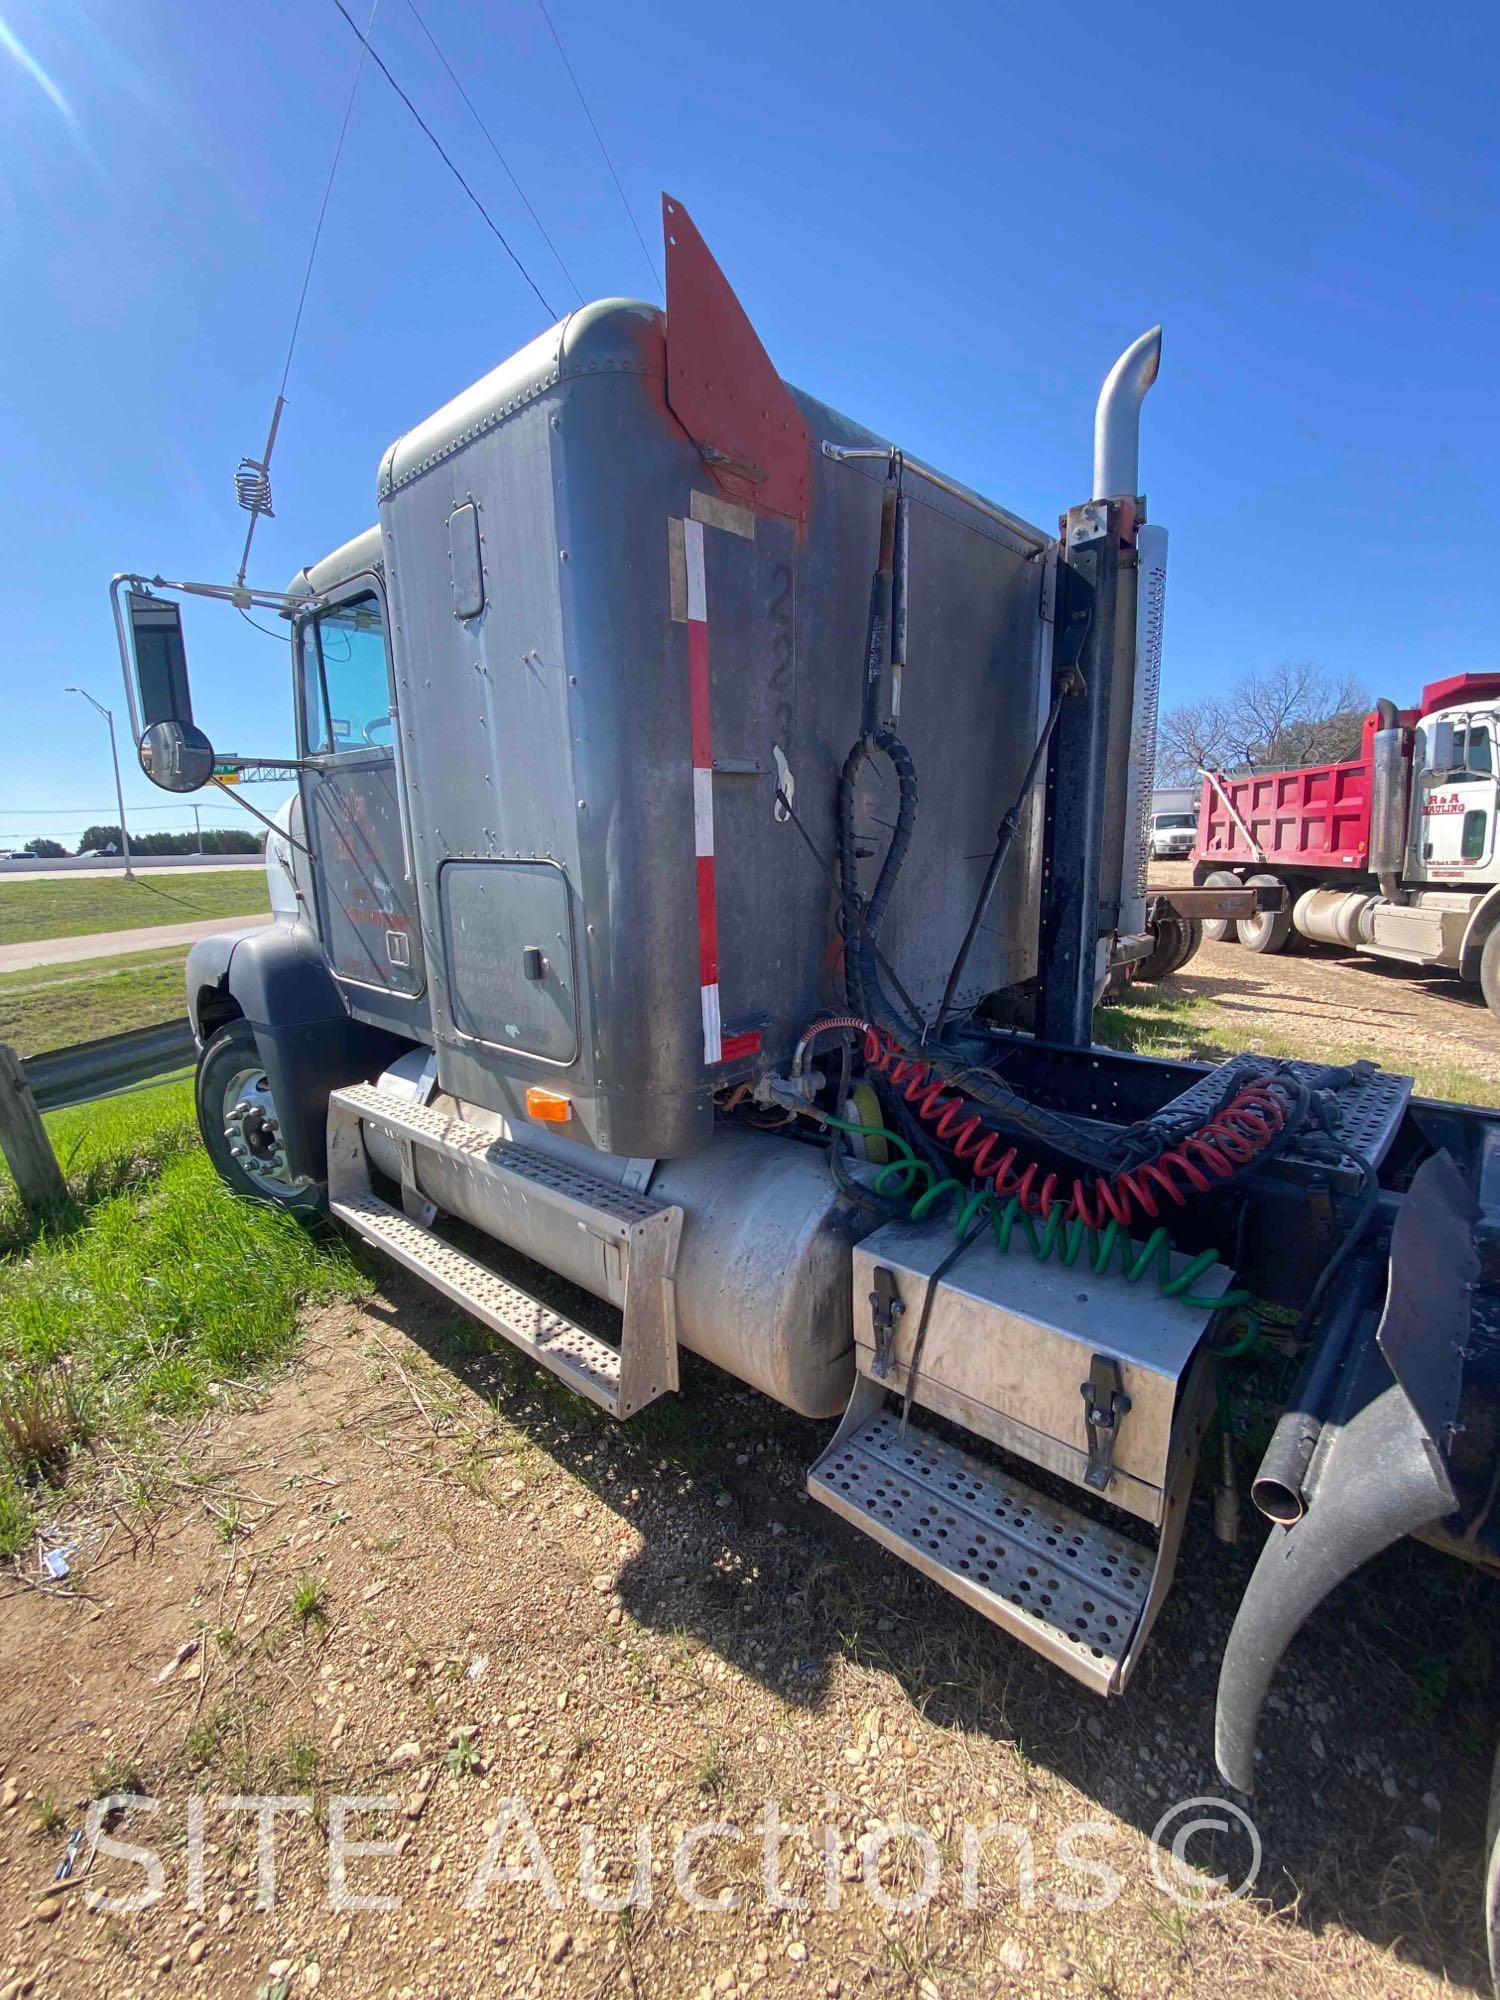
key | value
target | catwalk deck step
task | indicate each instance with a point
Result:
(1053, 1578)
(511, 1185)
(581, 1359)
(602, 1205)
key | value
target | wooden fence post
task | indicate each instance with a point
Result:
(23, 1137)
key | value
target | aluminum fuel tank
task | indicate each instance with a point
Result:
(764, 1262)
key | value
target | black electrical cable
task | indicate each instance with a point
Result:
(1363, 1216)
(982, 1221)
(264, 630)
(862, 977)
(1009, 827)
(489, 221)
(850, 907)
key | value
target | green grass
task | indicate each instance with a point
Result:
(153, 1287)
(1158, 1021)
(55, 1005)
(103, 1149)
(73, 906)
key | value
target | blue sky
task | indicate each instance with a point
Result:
(945, 221)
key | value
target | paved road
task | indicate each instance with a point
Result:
(88, 869)
(115, 944)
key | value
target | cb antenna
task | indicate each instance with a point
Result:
(252, 480)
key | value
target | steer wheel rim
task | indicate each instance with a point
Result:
(252, 1127)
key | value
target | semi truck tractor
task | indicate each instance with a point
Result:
(1392, 853)
(713, 829)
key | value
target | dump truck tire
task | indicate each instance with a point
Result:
(1489, 972)
(1267, 930)
(1221, 930)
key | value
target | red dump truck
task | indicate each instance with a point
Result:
(1393, 853)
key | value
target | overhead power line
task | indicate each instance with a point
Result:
(253, 480)
(490, 142)
(338, 154)
(489, 221)
(624, 198)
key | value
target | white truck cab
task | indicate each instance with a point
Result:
(1173, 834)
(1455, 796)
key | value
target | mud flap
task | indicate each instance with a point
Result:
(1379, 1470)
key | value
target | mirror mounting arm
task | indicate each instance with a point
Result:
(280, 832)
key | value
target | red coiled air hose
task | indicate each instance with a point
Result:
(1214, 1153)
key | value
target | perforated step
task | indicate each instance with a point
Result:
(605, 1207)
(584, 1362)
(639, 1234)
(1053, 1578)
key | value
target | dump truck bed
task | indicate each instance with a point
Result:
(1315, 817)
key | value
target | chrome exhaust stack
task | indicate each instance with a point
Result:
(1117, 418)
(1137, 668)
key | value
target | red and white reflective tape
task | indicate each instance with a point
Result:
(703, 791)
(690, 607)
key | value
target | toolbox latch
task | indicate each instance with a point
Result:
(1104, 1404)
(886, 1308)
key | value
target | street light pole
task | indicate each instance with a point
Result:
(114, 754)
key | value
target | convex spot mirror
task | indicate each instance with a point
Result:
(177, 756)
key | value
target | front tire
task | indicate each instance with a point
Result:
(241, 1127)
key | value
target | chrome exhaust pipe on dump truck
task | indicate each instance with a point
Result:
(1388, 823)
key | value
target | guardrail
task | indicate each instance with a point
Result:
(114, 1062)
(74, 1076)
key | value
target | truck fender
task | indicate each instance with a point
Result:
(278, 980)
(1379, 1470)
(1480, 924)
(1381, 1479)
(209, 1002)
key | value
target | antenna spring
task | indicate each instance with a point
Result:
(252, 487)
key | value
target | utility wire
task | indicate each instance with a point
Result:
(437, 144)
(624, 198)
(256, 494)
(338, 153)
(489, 141)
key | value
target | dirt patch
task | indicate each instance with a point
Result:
(417, 1569)
(1334, 1005)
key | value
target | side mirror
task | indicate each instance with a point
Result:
(1440, 746)
(160, 659)
(177, 756)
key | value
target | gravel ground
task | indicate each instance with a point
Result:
(1337, 1005)
(416, 1568)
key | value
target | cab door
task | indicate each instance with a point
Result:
(366, 899)
(1454, 832)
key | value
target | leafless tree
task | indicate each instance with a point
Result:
(1190, 736)
(1274, 718)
